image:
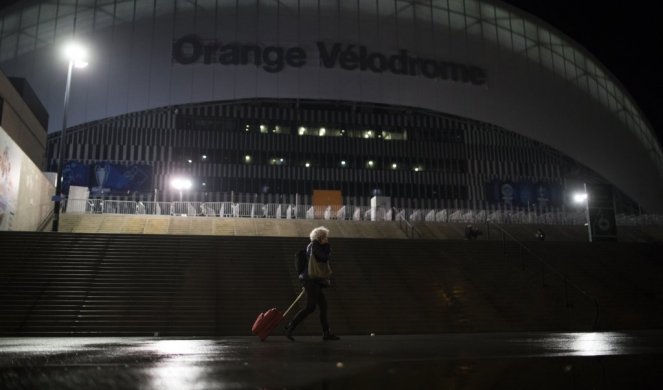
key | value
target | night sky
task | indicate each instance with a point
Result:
(626, 36)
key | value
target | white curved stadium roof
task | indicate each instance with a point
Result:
(591, 126)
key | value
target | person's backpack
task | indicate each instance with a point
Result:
(300, 261)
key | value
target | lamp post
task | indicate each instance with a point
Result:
(76, 55)
(181, 184)
(583, 198)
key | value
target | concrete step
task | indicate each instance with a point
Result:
(124, 283)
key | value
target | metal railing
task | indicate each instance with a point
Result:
(347, 212)
(46, 222)
(409, 230)
(522, 248)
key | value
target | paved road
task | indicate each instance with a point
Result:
(610, 360)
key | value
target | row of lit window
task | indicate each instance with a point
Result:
(327, 132)
(370, 164)
(344, 164)
(444, 135)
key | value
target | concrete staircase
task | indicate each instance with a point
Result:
(129, 284)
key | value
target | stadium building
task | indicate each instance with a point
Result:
(435, 104)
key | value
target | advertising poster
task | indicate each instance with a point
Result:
(524, 193)
(105, 178)
(10, 175)
(601, 213)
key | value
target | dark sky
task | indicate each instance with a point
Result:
(625, 36)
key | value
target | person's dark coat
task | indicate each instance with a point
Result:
(322, 254)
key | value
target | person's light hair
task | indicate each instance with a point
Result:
(318, 233)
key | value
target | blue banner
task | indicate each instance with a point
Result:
(104, 178)
(524, 193)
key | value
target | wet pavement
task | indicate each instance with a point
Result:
(605, 360)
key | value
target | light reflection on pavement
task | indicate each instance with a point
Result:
(482, 360)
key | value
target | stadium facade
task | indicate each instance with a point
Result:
(457, 103)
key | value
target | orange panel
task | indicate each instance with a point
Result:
(327, 198)
(323, 198)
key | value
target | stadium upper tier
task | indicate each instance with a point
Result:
(483, 60)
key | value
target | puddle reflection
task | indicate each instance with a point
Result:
(592, 344)
(614, 372)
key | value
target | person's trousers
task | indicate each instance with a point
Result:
(314, 297)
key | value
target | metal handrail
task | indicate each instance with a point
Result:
(45, 222)
(566, 281)
(409, 229)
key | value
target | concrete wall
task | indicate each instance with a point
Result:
(21, 124)
(25, 191)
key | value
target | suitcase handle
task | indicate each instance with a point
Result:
(293, 304)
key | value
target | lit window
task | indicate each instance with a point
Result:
(308, 164)
(394, 166)
(302, 130)
(343, 163)
(370, 163)
(204, 157)
(247, 158)
(263, 128)
(322, 131)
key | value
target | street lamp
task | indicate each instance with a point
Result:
(580, 197)
(180, 184)
(583, 198)
(77, 57)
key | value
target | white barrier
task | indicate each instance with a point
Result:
(356, 213)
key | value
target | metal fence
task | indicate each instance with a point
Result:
(348, 212)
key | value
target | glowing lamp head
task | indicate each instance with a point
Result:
(580, 197)
(181, 184)
(77, 54)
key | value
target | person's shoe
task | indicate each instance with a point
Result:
(329, 336)
(288, 333)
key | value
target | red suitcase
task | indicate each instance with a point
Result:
(267, 321)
